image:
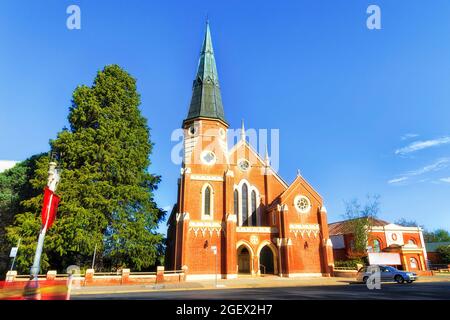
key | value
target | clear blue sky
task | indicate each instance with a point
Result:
(359, 111)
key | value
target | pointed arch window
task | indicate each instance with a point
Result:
(207, 202)
(254, 220)
(244, 205)
(236, 205)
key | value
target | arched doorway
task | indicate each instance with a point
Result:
(266, 261)
(243, 256)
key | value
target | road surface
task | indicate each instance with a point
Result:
(418, 291)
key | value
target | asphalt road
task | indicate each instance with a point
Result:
(417, 291)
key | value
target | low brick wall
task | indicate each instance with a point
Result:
(345, 273)
(125, 277)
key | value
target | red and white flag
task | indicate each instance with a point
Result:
(51, 201)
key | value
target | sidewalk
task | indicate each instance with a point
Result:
(239, 283)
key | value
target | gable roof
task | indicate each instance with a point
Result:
(258, 157)
(344, 227)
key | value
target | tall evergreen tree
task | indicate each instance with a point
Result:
(106, 191)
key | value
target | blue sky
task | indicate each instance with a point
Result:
(359, 111)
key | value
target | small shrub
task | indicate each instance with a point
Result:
(351, 264)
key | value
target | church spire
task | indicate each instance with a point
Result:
(206, 98)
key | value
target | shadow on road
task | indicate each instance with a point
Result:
(349, 291)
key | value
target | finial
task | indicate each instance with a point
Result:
(266, 159)
(243, 131)
(298, 173)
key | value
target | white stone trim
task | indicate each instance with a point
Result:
(300, 197)
(182, 216)
(189, 145)
(283, 242)
(211, 224)
(303, 229)
(200, 177)
(205, 227)
(394, 227)
(257, 229)
(306, 226)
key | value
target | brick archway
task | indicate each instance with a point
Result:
(267, 245)
(245, 256)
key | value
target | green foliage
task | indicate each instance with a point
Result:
(105, 188)
(439, 235)
(15, 186)
(444, 254)
(351, 264)
(360, 219)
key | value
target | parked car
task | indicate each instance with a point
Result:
(387, 274)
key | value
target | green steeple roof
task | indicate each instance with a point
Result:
(206, 99)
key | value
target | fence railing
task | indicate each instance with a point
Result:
(27, 276)
(439, 266)
(263, 267)
(173, 271)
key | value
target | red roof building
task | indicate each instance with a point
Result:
(385, 241)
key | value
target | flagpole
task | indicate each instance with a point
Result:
(53, 179)
(93, 258)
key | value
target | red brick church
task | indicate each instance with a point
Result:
(234, 214)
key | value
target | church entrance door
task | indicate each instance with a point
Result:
(266, 261)
(243, 260)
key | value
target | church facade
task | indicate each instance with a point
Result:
(234, 214)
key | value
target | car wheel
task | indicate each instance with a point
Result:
(399, 279)
(365, 280)
(409, 281)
